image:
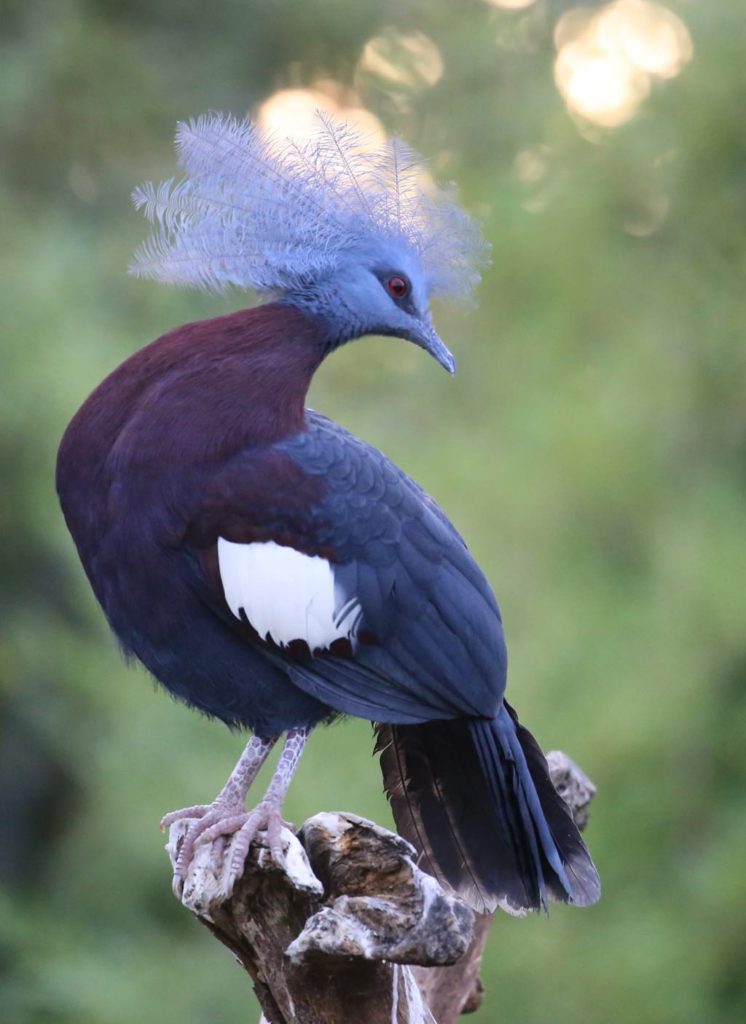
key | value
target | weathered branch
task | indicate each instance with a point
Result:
(348, 927)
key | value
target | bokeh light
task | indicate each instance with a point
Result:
(399, 67)
(411, 60)
(510, 5)
(531, 165)
(607, 60)
(652, 38)
(291, 113)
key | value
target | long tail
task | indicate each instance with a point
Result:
(475, 798)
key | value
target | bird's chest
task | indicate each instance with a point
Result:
(127, 522)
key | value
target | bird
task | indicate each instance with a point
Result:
(269, 568)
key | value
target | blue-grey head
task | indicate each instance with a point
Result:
(355, 233)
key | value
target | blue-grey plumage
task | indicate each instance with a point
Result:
(323, 225)
(274, 571)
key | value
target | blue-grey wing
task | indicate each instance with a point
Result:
(430, 641)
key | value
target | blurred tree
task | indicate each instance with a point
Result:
(591, 449)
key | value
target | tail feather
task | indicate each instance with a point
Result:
(580, 871)
(426, 802)
(475, 798)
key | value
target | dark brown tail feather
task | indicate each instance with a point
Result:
(476, 801)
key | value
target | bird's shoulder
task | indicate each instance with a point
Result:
(363, 489)
(321, 487)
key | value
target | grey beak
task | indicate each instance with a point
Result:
(428, 339)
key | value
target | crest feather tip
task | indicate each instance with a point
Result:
(259, 212)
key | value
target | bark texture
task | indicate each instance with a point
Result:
(347, 927)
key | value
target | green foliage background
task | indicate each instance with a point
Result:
(591, 449)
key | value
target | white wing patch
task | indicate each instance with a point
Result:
(286, 595)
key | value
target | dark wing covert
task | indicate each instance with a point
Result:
(432, 644)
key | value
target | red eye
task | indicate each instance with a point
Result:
(398, 287)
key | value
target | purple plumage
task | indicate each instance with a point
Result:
(274, 571)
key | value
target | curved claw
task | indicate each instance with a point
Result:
(196, 811)
(213, 815)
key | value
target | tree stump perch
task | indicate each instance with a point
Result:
(348, 927)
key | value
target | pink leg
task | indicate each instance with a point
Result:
(227, 814)
(229, 801)
(266, 815)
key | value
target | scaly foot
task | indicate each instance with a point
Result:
(212, 824)
(226, 822)
(244, 828)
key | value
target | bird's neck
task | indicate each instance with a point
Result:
(203, 391)
(245, 376)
